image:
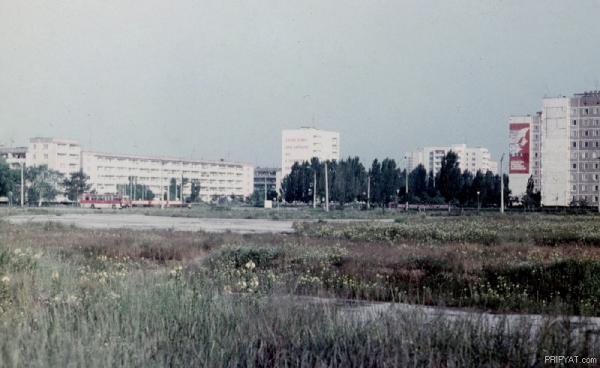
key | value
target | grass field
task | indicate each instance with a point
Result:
(76, 297)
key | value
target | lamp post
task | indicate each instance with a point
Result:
(501, 184)
(314, 188)
(478, 202)
(326, 189)
(368, 190)
(22, 186)
(406, 184)
(397, 198)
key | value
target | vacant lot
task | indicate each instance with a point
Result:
(163, 297)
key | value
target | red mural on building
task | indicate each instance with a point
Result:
(519, 148)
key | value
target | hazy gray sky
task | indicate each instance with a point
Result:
(220, 79)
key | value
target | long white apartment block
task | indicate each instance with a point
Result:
(107, 171)
(299, 145)
(469, 158)
(216, 178)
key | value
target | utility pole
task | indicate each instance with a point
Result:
(161, 185)
(501, 185)
(314, 188)
(326, 189)
(406, 184)
(22, 186)
(406, 188)
(368, 190)
(181, 189)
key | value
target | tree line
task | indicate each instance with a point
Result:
(41, 184)
(385, 183)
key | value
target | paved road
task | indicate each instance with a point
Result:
(141, 222)
(367, 311)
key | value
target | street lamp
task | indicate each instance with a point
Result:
(406, 184)
(501, 184)
(397, 197)
(22, 185)
(478, 202)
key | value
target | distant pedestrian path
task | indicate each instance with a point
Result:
(141, 222)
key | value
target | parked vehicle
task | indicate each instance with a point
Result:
(107, 200)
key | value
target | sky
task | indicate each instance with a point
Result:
(218, 79)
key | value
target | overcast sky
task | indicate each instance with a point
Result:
(221, 79)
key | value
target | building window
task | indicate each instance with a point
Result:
(574, 166)
(574, 122)
(574, 144)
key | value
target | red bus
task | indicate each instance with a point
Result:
(90, 200)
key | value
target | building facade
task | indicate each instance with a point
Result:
(216, 178)
(267, 177)
(299, 145)
(570, 153)
(108, 172)
(524, 153)
(472, 159)
(61, 155)
(14, 156)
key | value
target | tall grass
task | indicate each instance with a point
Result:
(161, 318)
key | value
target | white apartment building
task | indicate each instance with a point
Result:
(472, 159)
(216, 178)
(269, 177)
(524, 153)
(61, 155)
(107, 171)
(299, 145)
(14, 156)
(570, 152)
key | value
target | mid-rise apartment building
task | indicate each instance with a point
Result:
(559, 148)
(61, 155)
(469, 158)
(267, 177)
(14, 156)
(570, 152)
(108, 172)
(299, 145)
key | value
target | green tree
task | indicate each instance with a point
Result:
(448, 180)
(8, 183)
(76, 184)
(195, 191)
(44, 184)
(376, 183)
(466, 184)
(532, 198)
(417, 183)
